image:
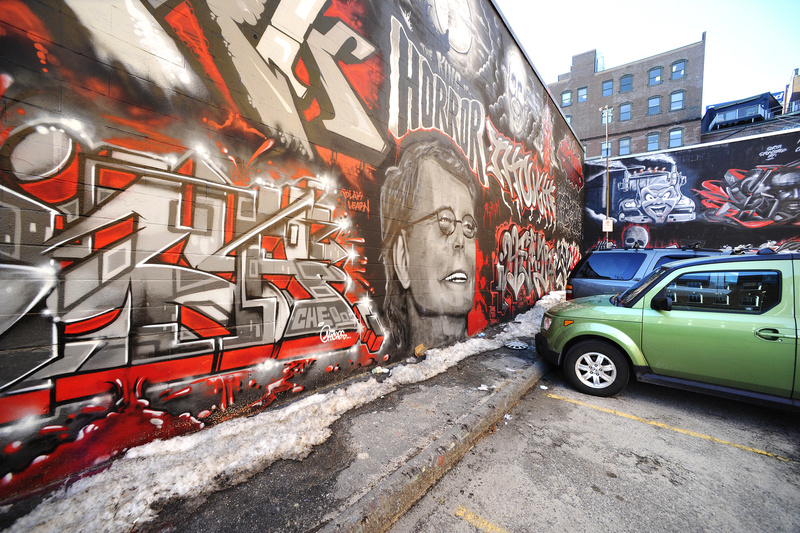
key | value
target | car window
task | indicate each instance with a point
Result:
(669, 258)
(738, 291)
(620, 266)
(630, 296)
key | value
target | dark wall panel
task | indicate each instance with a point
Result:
(743, 193)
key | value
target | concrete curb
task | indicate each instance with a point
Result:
(377, 510)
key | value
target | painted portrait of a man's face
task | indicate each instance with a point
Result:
(441, 268)
(429, 245)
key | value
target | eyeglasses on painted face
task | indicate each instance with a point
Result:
(447, 222)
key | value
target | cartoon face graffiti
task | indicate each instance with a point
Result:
(654, 196)
(658, 199)
(428, 223)
(517, 87)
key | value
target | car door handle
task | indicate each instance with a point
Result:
(772, 334)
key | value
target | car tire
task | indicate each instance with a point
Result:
(596, 368)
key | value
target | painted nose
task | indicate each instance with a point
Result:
(459, 240)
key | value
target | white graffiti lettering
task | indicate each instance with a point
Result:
(271, 81)
(327, 334)
(421, 99)
(522, 177)
(526, 260)
(772, 152)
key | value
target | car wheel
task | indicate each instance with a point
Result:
(596, 368)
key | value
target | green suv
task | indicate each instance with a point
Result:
(724, 326)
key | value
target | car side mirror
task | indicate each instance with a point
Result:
(661, 303)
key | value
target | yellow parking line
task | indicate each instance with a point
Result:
(673, 428)
(477, 522)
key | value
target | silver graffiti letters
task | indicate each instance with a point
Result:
(525, 259)
(523, 177)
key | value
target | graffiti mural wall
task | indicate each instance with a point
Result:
(208, 205)
(743, 193)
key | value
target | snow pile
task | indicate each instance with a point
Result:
(118, 498)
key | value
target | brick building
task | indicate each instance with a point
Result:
(654, 103)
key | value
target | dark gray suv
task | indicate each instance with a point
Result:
(611, 271)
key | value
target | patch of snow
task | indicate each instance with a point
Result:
(123, 495)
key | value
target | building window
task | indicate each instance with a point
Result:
(679, 69)
(675, 138)
(605, 149)
(654, 105)
(569, 118)
(566, 98)
(625, 84)
(608, 87)
(655, 76)
(606, 115)
(624, 112)
(625, 146)
(583, 94)
(676, 101)
(652, 141)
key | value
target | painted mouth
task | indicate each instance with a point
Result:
(657, 210)
(457, 277)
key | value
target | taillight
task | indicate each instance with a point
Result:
(569, 291)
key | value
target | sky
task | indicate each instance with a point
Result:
(752, 46)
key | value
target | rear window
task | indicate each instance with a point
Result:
(619, 266)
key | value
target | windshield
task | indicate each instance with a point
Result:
(631, 295)
(612, 265)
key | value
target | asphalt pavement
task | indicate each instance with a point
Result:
(380, 459)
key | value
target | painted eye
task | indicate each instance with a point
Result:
(447, 222)
(469, 226)
(648, 197)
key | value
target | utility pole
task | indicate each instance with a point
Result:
(607, 223)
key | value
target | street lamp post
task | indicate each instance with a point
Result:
(607, 223)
